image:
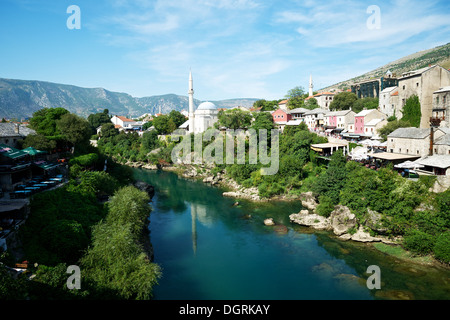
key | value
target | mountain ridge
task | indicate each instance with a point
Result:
(21, 98)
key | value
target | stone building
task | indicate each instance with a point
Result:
(388, 102)
(417, 141)
(11, 133)
(423, 83)
(372, 88)
(441, 106)
(324, 99)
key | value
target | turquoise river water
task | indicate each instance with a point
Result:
(210, 249)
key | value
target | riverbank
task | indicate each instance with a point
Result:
(342, 223)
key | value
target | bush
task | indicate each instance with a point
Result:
(442, 247)
(419, 242)
(325, 206)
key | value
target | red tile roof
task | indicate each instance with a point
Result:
(124, 119)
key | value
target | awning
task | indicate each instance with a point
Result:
(15, 154)
(32, 151)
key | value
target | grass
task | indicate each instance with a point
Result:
(399, 252)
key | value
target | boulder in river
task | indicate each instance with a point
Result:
(144, 186)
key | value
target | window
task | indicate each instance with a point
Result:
(417, 151)
(417, 84)
(403, 87)
(407, 150)
(399, 149)
(392, 150)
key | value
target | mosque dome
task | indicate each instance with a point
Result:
(207, 106)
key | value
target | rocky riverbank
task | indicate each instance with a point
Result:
(341, 222)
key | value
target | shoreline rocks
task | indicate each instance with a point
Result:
(341, 221)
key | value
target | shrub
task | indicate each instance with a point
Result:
(325, 206)
(442, 247)
(419, 242)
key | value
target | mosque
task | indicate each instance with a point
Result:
(203, 117)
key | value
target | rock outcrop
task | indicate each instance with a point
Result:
(309, 201)
(341, 221)
(144, 186)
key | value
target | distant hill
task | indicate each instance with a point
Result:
(21, 98)
(439, 55)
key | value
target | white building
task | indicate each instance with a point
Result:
(201, 118)
(314, 119)
(205, 116)
(388, 102)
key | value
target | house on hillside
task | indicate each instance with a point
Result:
(364, 117)
(339, 121)
(298, 113)
(283, 104)
(124, 124)
(423, 83)
(324, 99)
(315, 119)
(388, 102)
(281, 115)
(441, 106)
(373, 87)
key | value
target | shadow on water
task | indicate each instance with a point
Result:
(233, 255)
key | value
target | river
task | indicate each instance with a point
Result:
(211, 249)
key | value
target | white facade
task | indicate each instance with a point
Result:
(205, 117)
(388, 102)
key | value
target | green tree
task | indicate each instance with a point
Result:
(66, 238)
(116, 261)
(74, 129)
(98, 119)
(149, 141)
(411, 111)
(368, 103)
(234, 119)
(296, 97)
(44, 121)
(311, 104)
(161, 124)
(266, 105)
(177, 117)
(333, 179)
(108, 130)
(147, 125)
(38, 141)
(391, 126)
(343, 101)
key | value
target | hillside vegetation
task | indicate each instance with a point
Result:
(439, 55)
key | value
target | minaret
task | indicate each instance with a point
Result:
(191, 103)
(310, 86)
(194, 227)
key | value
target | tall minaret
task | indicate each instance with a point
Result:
(191, 103)
(310, 86)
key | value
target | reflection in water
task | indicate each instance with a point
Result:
(210, 249)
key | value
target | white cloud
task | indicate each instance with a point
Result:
(335, 23)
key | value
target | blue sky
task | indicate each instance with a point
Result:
(235, 48)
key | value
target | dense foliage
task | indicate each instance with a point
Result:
(116, 261)
(411, 111)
